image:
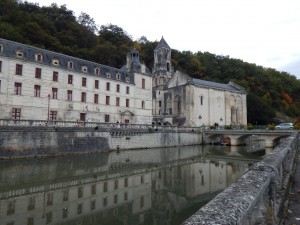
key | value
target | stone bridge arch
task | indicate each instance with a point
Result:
(239, 137)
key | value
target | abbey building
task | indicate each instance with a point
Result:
(37, 84)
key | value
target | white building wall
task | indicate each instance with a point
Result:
(37, 107)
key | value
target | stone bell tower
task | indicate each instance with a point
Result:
(162, 70)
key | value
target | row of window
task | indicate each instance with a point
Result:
(49, 215)
(70, 64)
(54, 95)
(16, 115)
(38, 75)
(49, 197)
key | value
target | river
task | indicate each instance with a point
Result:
(153, 186)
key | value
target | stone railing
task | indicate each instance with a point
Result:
(74, 124)
(258, 197)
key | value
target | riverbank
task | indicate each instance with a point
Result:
(18, 142)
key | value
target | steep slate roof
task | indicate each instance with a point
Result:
(10, 48)
(162, 44)
(209, 84)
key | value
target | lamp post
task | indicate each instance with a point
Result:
(48, 107)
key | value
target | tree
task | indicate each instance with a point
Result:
(88, 22)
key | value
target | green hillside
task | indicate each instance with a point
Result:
(271, 94)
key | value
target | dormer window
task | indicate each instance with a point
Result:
(97, 71)
(118, 76)
(108, 75)
(38, 57)
(55, 62)
(127, 78)
(1, 48)
(19, 54)
(84, 69)
(70, 65)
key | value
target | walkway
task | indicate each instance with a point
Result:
(293, 213)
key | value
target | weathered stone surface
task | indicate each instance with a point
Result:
(251, 194)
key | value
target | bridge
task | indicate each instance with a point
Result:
(242, 136)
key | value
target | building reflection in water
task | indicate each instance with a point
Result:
(161, 186)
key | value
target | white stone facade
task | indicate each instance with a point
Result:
(40, 85)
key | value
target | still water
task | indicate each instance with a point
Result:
(155, 187)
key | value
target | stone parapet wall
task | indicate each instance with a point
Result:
(258, 196)
(46, 141)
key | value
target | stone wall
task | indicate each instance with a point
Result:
(45, 141)
(258, 196)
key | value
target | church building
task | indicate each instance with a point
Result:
(181, 100)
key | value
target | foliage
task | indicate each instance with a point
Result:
(56, 28)
(271, 126)
(249, 126)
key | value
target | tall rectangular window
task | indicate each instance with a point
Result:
(19, 69)
(107, 100)
(143, 83)
(118, 88)
(0, 66)
(126, 182)
(54, 93)
(143, 104)
(106, 119)
(107, 86)
(55, 76)
(127, 102)
(70, 79)
(69, 95)
(18, 88)
(37, 91)
(116, 184)
(38, 57)
(105, 185)
(96, 97)
(53, 115)
(142, 201)
(96, 84)
(127, 90)
(16, 114)
(38, 73)
(83, 82)
(83, 97)
(117, 101)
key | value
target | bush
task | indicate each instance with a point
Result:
(271, 126)
(249, 126)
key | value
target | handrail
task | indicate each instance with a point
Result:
(258, 196)
(80, 124)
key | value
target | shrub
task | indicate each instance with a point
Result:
(271, 126)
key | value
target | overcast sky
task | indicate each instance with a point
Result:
(264, 32)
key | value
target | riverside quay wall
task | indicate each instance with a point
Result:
(259, 196)
(28, 139)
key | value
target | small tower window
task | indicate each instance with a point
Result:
(70, 65)
(19, 54)
(84, 69)
(118, 76)
(97, 71)
(38, 57)
(55, 62)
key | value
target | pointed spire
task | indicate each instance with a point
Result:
(162, 44)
